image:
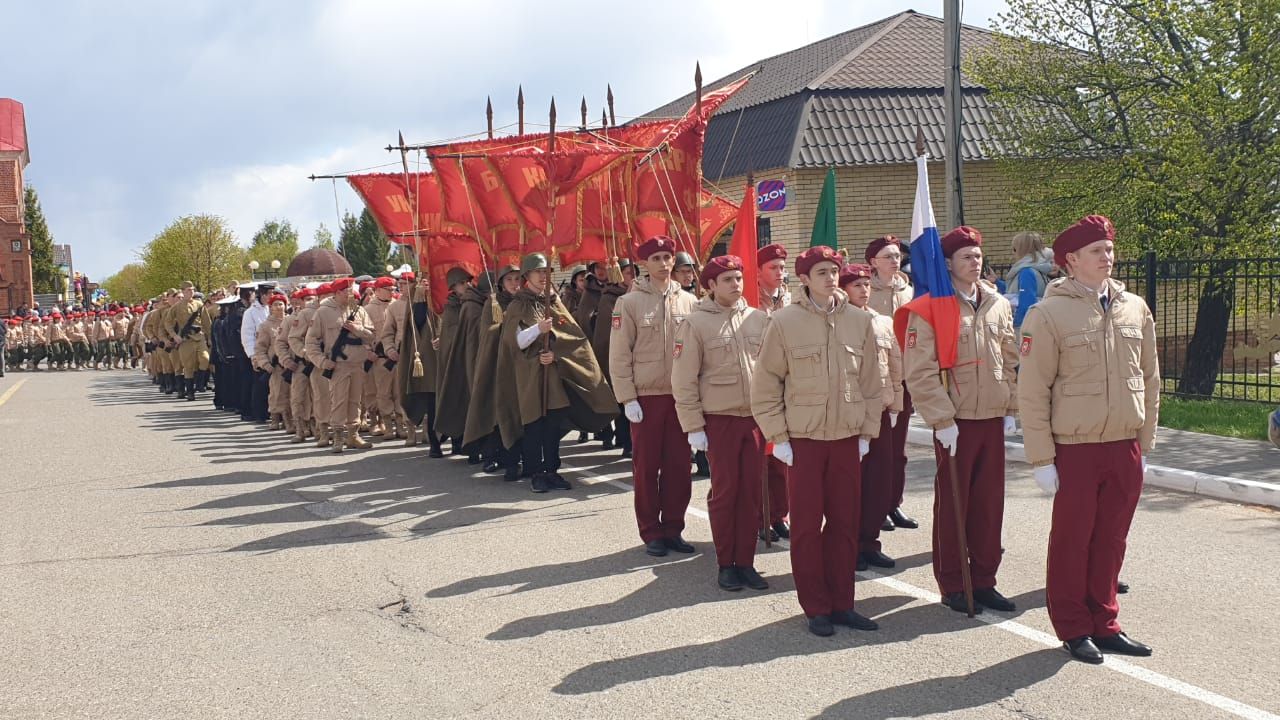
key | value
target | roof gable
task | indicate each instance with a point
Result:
(13, 128)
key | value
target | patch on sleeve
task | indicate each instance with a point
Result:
(617, 319)
(1026, 346)
(911, 337)
(678, 349)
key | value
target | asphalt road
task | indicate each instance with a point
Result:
(161, 560)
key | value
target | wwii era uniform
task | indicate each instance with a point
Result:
(641, 348)
(981, 392)
(491, 416)
(817, 388)
(606, 303)
(714, 359)
(187, 330)
(337, 351)
(1090, 395)
(416, 373)
(459, 343)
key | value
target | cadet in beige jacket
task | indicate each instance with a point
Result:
(641, 345)
(341, 312)
(771, 278)
(715, 356)
(1090, 396)
(878, 465)
(302, 401)
(816, 396)
(969, 420)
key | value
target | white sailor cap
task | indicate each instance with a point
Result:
(400, 271)
(248, 286)
(227, 300)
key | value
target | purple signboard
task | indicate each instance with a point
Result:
(771, 195)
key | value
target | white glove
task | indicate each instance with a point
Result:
(1144, 465)
(947, 437)
(633, 411)
(698, 441)
(1046, 477)
(864, 447)
(1010, 425)
(782, 451)
(893, 419)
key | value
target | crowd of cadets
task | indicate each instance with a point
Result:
(799, 407)
(102, 340)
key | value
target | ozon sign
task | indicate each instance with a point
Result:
(771, 195)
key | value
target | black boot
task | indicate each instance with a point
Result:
(202, 380)
(191, 388)
(704, 468)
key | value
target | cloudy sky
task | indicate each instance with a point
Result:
(141, 111)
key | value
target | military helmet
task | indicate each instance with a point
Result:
(456, 275)
(533, 261)
(506, 270)
(684, 258)
(624, 263)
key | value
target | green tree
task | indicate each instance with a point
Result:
(323, 238)
(1163, 115)
(44, 274)
(362, 243)
(199, 248)
(277, 240)
(127, 283)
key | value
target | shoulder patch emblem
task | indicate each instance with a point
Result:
(911, 337)
(617, 319)
(678, 349)
(1026, 345)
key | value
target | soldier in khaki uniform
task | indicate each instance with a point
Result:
(644, 323)
(890, 290)
(969, 419)
(59, 344)
(1090, 396)
(341, 316)
(320, 398)
(119, 335)
(187, 327)
(301, 399)
(715, 357)
(289, 367)
(771, 280)
(389, 337)
(38, 342)
(877, 469)
(266, 359)
(816, 395)
(379, 380)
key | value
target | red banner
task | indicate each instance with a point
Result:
(440, 252)
(391, 203)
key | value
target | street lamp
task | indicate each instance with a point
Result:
(274, 272)
(389, 268)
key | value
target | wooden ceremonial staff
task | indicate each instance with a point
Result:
(546, 340)
(961, 534)
(764, 469)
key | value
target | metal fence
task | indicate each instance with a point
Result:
(1215, 319)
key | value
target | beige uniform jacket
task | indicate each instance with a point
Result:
(101, 331)
(772, 302)
(264, 341)
(1088, 375)
(57, 332)
(715, 357)
(642, 338)
(377, 312)
(176, 319)
(38, 336)
(280, 345)
(817, 376)
(890, 357)
(391, 331)
(120, 327)
(326, 325)
(151, 324)
(298, 332)
(886, 298)
(984, 382)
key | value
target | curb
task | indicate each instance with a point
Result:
(1238, 490)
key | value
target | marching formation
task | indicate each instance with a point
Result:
(798, 407)
(104, 339)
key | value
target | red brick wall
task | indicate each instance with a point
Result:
(15, 268)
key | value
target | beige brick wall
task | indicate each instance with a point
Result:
(873, 201)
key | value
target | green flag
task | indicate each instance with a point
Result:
(824, 223)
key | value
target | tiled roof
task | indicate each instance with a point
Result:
(13, 127)
(851, 99)
(62, 255)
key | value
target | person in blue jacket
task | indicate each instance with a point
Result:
(1024, 283)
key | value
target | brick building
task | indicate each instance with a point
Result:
(853, 102)
(15, 250)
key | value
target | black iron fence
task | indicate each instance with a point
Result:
(1217, 323)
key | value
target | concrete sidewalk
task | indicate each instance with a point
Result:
(1246, 471)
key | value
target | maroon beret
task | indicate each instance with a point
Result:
(770, 252)
(815, 255)
(961, 237)
(655, 244)
(717, 265)
(341, 284)
(854, 271)
(879, 244)
(385, 281)
(1088, 230)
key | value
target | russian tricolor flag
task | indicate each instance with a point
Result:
(935, 298)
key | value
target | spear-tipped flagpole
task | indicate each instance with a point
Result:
(488, 115)
(584, 112)
(613, 119)
(520, 110)
(551, 137)
(697, 85)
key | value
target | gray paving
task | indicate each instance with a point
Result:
(161, 560)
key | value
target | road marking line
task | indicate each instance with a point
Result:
(1151, 677)
(9, 393)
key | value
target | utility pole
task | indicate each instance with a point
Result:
(952, 100)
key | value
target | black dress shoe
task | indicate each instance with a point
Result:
(608, 445)
(678, 544)
(887, 525)
(901, 520)
(728, 579)
(559, 483)
(582, 437)
(492, 466)
(473, 459)
(626, 453)
(862, 563)
(511, 475)
(956, 602)
(1121, 644)
(700, 462)
(1083, 649)
(656, 548)
(879, 559)
(435, 452)
(752, 579)
(820, 625)
(1122, 588)
(849, 618)
(540, 483)
(990, 597)
(773, 535)
(781, 529)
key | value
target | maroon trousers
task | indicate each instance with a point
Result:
(823, 484)
(1098, 489)
(900, 449)
(778, 505)
(879, 468)
(980, 464)
(661, 468)
(735, 448)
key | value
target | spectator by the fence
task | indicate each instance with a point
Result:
(1024, 283)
